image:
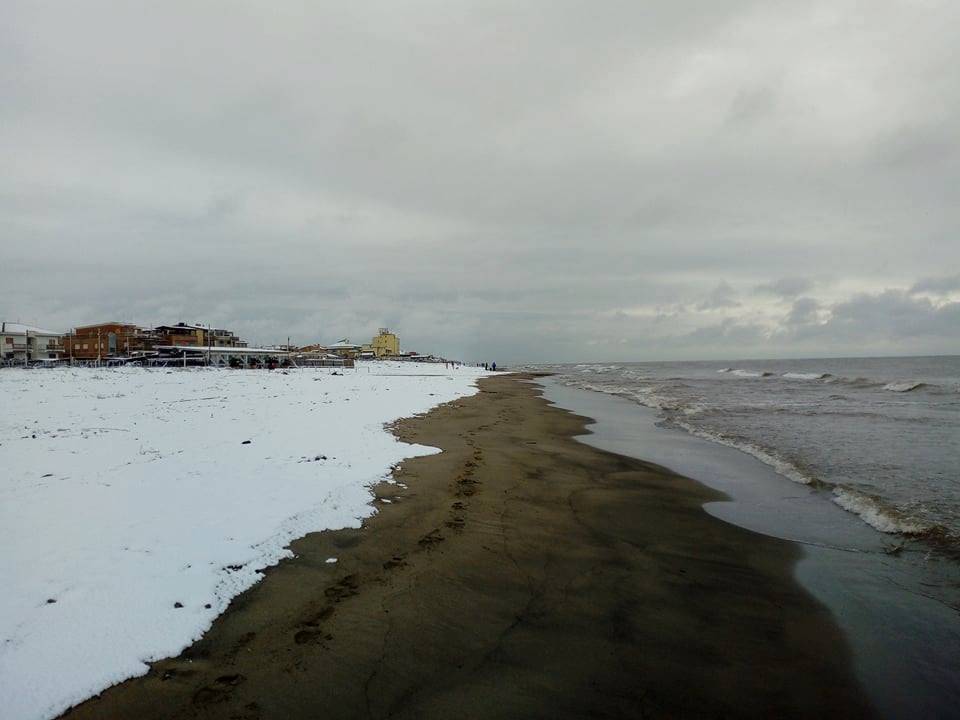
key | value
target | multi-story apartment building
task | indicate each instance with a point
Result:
(182, 334)
(24, 343)
(225, 338)
(385, 344)
(197, 336)
(105, 340)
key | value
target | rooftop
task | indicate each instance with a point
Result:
(215, 350)
(20, 329)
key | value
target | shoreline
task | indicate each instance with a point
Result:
(908, 670)
(518, 573)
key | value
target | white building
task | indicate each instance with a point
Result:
(20, 343)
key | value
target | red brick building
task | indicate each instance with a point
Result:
(112, 339)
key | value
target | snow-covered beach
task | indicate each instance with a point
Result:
(134, 504)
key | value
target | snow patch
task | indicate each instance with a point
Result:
(131, 514)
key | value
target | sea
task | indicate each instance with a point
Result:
(857, 460)
(880, 436)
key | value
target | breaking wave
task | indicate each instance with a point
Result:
(856, 382)
(878, 515)
(871, 510)
(743, 406)
(784, 467)
(900, 386)
(751, 373)
(806, 376)
(651, 397)
(907, 386)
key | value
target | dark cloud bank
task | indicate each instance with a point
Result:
(510, 181)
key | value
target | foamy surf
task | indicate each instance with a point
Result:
(783, 467)
(751, 373)
(877, 515)
(823, 423)
(906, 386)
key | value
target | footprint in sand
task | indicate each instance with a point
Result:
(217, 691)
(431, 538)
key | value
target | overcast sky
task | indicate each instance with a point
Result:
(502, 181)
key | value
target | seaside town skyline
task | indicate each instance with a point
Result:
(115, 343)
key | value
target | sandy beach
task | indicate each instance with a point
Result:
(519, 573)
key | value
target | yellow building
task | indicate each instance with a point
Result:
(385, 343)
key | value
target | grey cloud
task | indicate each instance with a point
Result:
(889, 322)
(894, 314)
(803, 311)
(545, 180)
(722, 296)
(752, 105)
(728, 333)
(915, 148)
(938, 285)
(788, 287)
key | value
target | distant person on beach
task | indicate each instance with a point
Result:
(494, 367)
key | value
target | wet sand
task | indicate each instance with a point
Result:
(519, 574)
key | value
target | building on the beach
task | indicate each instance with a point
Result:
(385, 344)
(106, 340)
(225, 338)
(117, 340)
(223, 356)
(317, 355)
(181, 334)
(25, 343)
(345, 349)
(190, 335)
(300, 358)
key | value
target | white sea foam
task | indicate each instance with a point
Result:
(787, 422)
(868, 509)
(596, 369)
(875, 514)
(903, 386)
(782, 466)
(860, 383)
